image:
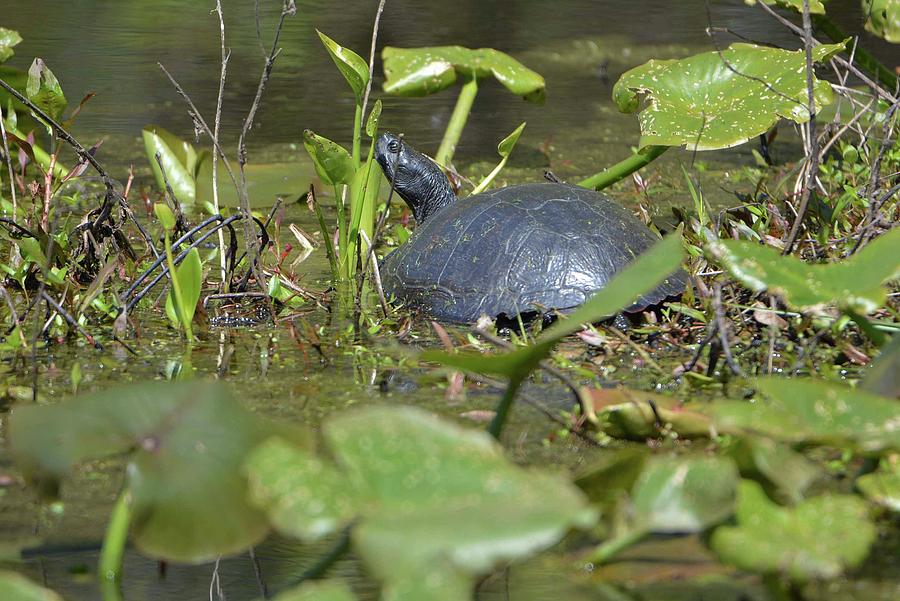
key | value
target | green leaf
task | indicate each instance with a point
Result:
(8, 40)
(718, 100)
(883, 18)
(165, 215)
(372, 120)
(883, 377)
(351, 65)
(506, 145)
(637, 279)
(424, 497)
(333, 163)
(854, 283)
(190, 278)
(815, 412)
(818, 538)
(607, 478)
(15, 587)
(678, 494)
(326, 590)
(424, 71)
(44, 90)
(31, 250)
(184, 442)
(883, 485)
(787, 472)
(178, 158)
(815, 6)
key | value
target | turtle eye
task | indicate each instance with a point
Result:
(394, 146)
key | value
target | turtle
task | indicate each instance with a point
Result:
(522, 250)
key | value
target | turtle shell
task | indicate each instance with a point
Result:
(519, 249)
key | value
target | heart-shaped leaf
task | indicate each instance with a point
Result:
(8, 40)
(333, 163)
(818, 538)
(720, 99)
(178, 158)
(432, 505)
(424, 71)
(15, 587)
(855, 283)
(44, 90)
(186, 442)
(883, 18)
(351, 65)
(815, 412)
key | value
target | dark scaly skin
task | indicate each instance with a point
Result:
(519, 249)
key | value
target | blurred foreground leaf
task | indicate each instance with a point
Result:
(818, 538)
(432, 506)
(883, 18)
(15, 587)
(883, 485)
(185, 444)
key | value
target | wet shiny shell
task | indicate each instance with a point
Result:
(533, 247)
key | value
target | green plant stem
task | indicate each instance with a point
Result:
(611, 548)
(318, 569)
(490, 177)
(342, 229)
(176, 287)
(357, 134)
(624, 168)
(509, 395)
(861, 57)
(457, 122)
(112, 553)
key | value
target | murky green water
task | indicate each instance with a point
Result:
(111, 47)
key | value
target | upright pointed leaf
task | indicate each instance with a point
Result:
(178, 158)
(190, 279)
(372, 119)
(351, 65)
(44, 90)
(332, 162)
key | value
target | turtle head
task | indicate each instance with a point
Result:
(416, 178)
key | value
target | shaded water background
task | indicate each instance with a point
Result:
(111, 47)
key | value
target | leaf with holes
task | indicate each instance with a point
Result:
(185, 443)
(819, 538)
(883, 18)
(8, 40)
(44, 90)
(718, 100)
(424, 496)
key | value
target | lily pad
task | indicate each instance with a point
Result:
(818, 538)
(432, 506)
(328, 590)
(15, 587)
(635, 414)
(720, 99)
(855, 283)
(678, 494)
(815, 6)
(815, 412)
(424, 71)
(883, 18)
(186, 442)
(883, 485)
(8, 40)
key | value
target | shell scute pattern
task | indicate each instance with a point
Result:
(531, 247)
